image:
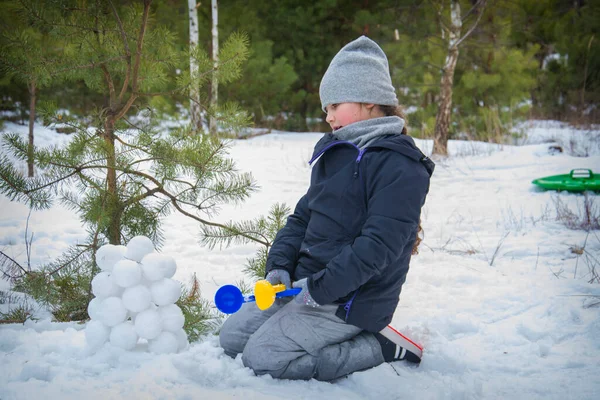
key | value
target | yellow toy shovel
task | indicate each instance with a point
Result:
(229, 298)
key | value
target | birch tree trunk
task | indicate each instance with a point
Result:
(194, 90)
(214, 96)
(32, 100)
(442, 119)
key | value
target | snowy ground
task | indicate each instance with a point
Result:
(498, 298)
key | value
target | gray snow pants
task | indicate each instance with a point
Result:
(294, 341)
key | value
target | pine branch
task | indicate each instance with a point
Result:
(238, 232)
(227, 191)
(136, 65)
(53, 24)
(91, 65)
(68, 261)
(10, 268)
(127, 51)
(109, 83)
(139, 198)
(174, 201)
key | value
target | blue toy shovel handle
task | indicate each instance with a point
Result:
(288, 292)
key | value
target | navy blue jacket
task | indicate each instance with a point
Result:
(353, 232)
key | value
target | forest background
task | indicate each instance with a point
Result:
(523, 59)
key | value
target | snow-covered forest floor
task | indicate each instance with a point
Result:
(503, 296)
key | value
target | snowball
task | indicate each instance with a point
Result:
(127, 273)
(147, 324)
(182, 340)
(112, 311)
(151, 267)
(166, 291)
(133, 314)
(124, 336)
(164, 343)
(138, 247)
(157, 266)
(94, 308)
(108, 255)
(96, 333)
(168, 266)
(136, 298)
(172, 317)
(103, 285)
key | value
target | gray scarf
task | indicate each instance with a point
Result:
(363, 133)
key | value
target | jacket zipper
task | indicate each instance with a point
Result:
(330, 146)
(361, 152)
(349, 304)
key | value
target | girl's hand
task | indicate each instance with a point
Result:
(304, 296)
(278, 276)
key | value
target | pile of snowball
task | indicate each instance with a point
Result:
(135, 299)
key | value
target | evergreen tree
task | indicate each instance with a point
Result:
(566, 35)
(494, 78)
(127, 174)
(27, 58)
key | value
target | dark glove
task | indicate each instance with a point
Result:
(304, 296)
(278, 276)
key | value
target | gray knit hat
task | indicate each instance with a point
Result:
(359, 73)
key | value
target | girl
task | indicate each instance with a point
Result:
(349, 241)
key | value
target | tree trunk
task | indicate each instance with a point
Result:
(214, 97)
(585, 74)
(442, 119)
(113, 204)
(194, 90)
(32, 100)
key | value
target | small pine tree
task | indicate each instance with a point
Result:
(200, 318)
(124, 176)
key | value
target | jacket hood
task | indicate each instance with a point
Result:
(406, 146)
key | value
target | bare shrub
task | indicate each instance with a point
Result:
(580, 143)
(586, 217)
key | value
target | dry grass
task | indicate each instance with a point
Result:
(586, 217)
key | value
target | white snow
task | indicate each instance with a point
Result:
(499, 295)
